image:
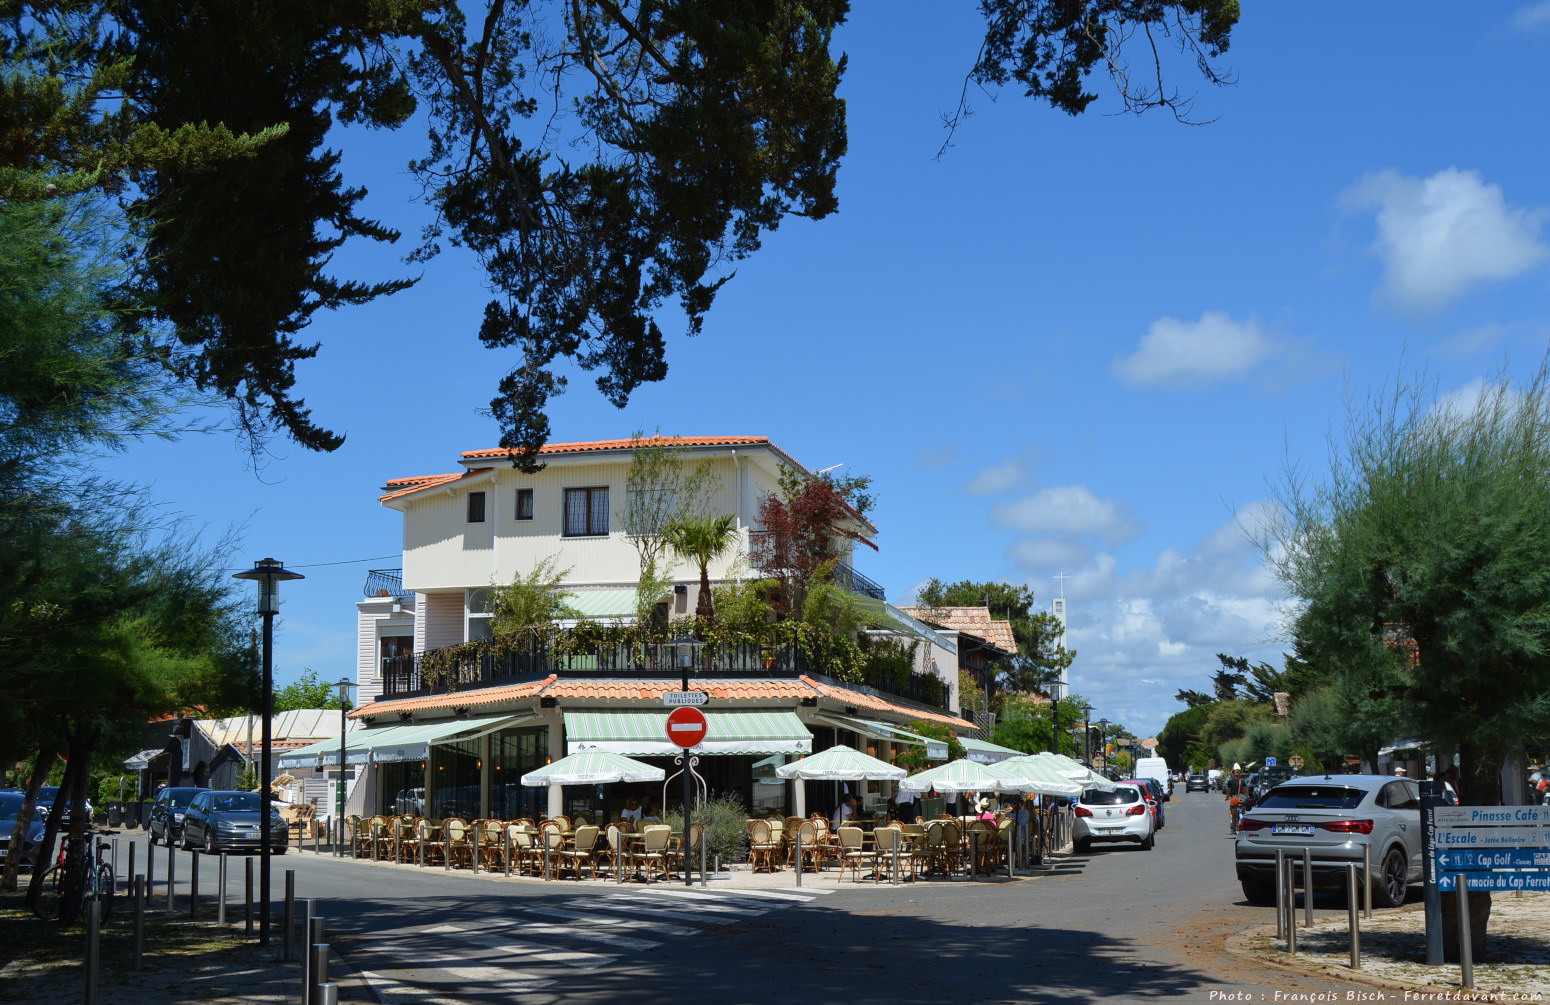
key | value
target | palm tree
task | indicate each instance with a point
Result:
(701, 541)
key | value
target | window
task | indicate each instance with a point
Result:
(524, 504)
(586, 512)
(478, 619)
(392, 648)
(476, 507)
(1312, 797)
(1398, 796)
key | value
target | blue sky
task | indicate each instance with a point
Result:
(1070, 345)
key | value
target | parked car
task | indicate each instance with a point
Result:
(220, 821)
(167, 814)
(1197, 783)
(10, 811)
(1336, 816)
(1121, 815)
(46, 796)
(1150, 791)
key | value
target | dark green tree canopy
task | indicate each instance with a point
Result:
(1039, 659)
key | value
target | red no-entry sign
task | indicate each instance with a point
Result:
(686, 726)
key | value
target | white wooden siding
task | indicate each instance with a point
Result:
(375, 619)
(440, 618)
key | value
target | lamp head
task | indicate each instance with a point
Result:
(268, 573)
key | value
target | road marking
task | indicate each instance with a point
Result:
(539, 953)
(582, 932)
(760, 897)
(392, 991)
(648, 906)
(690, 902)
(660, 927)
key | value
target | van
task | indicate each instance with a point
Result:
(1156, 768)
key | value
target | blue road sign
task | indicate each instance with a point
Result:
(1270, 762)
(1448, 882)
(1454, 860)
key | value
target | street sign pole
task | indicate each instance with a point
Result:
(1431, 798)
(687, 727)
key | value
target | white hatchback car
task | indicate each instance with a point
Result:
(1121, 815)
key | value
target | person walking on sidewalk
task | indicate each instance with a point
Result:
(1235, 789)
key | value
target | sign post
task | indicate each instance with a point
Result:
(1479, 848)
(686, 727)
(1431, 798)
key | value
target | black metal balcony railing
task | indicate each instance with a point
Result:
(844, 574)
(386, 583)
(466, 668)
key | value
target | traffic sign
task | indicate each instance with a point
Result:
(1295, 760)
(686, 727)
(678, 699)
(1270, 762)
(1453, 860)
(1448, 882)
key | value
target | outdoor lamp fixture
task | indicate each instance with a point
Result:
(343, 684)
(1103, 742)
(1087, 734)
(268, 573)
(685, 650)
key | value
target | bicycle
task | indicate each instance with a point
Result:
(98, 887)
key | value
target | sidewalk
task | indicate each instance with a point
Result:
(1393, 946)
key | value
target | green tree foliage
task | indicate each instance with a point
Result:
(530, 602)
(1025, 723)
(1423, 564)
(913, 758)
(701, 540)
(307, 691)
(1040, 659)
(601, 157)
(1194, 699)
(809, 527)
(1179, 741)
(661, 488)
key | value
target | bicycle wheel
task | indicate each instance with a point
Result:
(104, 892)
(47, 905)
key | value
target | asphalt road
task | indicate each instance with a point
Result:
(1115, 925)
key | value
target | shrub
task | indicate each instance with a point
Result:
(725, 819)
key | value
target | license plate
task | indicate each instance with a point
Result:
(1303, 829)
(1110, 830)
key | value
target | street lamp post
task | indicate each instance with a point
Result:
(1087, 735)
(1103, 742)
(344, 686)
(268, 573)
(1054, 723)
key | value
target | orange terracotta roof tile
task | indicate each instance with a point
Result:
(597, 445)
(975, 621)
(457, 699)
(422, 482)
(652, 690)
(863, 700)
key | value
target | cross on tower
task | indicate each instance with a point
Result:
(1062, 577)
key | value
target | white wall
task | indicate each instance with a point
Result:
(374, 619)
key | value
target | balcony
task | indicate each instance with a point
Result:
(844, 574)
(482, 665)
(386, 583)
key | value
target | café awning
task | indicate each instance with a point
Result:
(637, 733)
(593, 767)
(986, 752)
(402, 742)
(936, 750)
(841, 763)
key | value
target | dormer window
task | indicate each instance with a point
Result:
(476, 507)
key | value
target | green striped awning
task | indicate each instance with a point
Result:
(639, 733)
(401, 742)
(986, 752)
(604, 603)
(1035, 774)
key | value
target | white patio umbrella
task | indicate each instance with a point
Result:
(1030, 774)
(962, 775)
(593, 767)
(1078, 772)
(841, 764)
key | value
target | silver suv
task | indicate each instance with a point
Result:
(1335, 816)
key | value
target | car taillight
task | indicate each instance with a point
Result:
(1083, 811)
(1348, 826)
(1135, 811)
(1250, 824)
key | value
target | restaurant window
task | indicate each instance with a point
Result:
(513, 753)
(455, 780)
(524, 504)
(586, 512)
(478, 615)
(769, 789)
(403, 787)
(476, 507)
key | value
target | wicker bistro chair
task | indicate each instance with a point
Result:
(581, 852)
(828, 842)
(853, 853)
(678, 853)
(612, 851)
(406, 837)
(813, 850)
(564, 822)
(761, 845)
(653, 854)
(982, 842)
(890, 845)
(932, 854)
(524, 848)
(429, 847)
(457, 839)
(359, 835)
(952, 846)
(551, 843)
(490, 845)
(379, 836)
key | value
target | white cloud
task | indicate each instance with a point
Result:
(1532, 17)
(996, 478)
(1042, 554)
(1477, 395)
(936, 457)
(1440, 236)
(1071, 510)
(1183, 354)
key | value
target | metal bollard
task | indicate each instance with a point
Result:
(1307, 887)
(799, 858)
(1367, 882)
(703, 843)
(1280, 893)
(896, 858)
(193, 884)
(319, 973)
(220, 896)
(116, 873)
(150, 869)
(129, 874)
(974, 855)
(1291, 911)
(446, 851)
(172, 864)
(328, 994)
(289, 938)
(545, 836)
(506, 851)
(1011, 862)
(137, 892)
(308, 913)
(1466, 949)
(1353, 917)
(247, 910)
(93, 948)
(313, 975)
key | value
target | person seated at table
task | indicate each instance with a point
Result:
(846, 810)
(649, 811)
(907, 809)
(632, 812)
(985, 810)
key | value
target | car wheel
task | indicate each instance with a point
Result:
(150, 835)
(1149, 843)
(184, 842)
(1259, 894)
(1084, 846)
(1391, 880)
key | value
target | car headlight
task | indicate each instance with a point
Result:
(225, 825)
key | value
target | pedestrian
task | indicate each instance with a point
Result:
(908, 808)
(1235, 788)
